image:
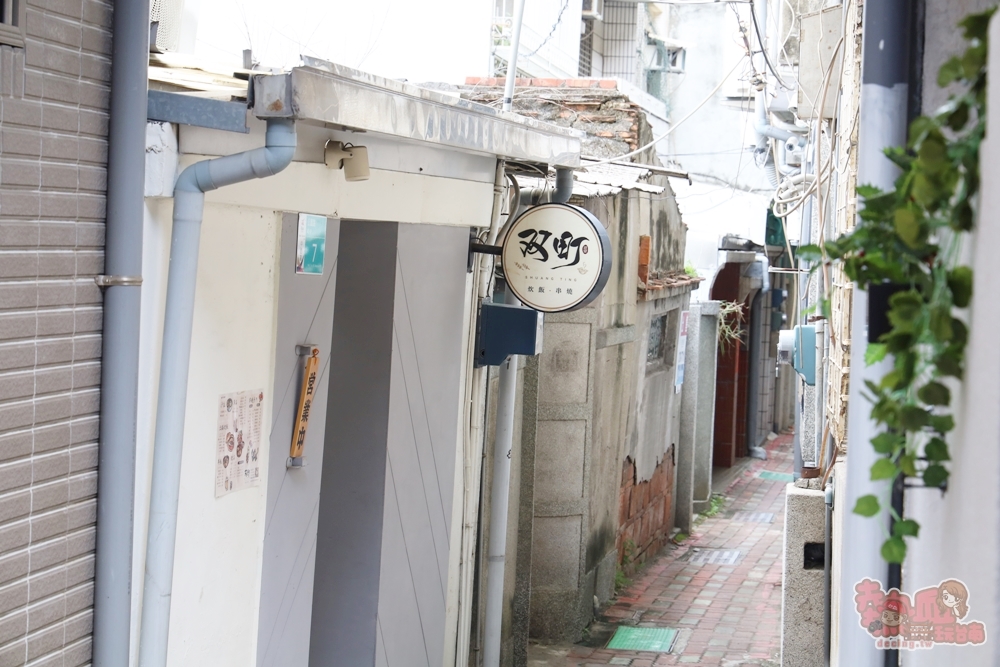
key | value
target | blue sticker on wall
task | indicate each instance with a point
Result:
(310, 251)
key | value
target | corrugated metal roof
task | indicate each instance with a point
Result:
(628, 178)
(335, 95)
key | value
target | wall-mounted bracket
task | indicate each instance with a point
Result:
(117, 281)
(482, 248)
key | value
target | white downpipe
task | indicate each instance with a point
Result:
(473, 454)
(189, 199)
(503, 439)
(503, 444)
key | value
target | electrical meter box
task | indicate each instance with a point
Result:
(503, 329)
(797, 347)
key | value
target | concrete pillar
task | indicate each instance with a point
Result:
(702, 357)
(699, 383)
(802, 578)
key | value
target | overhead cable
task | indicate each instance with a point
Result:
(673, 127)
(552, 31)
(763, 49)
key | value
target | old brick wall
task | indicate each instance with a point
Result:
(53, 151)
(644, 511)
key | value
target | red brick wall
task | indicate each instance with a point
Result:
(645, 516)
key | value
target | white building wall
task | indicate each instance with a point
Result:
(219, 544)
(958, 535)
(218, 551)
(730, 193)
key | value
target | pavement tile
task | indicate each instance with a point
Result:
(731, 613)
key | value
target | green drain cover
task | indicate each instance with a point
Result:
(776, 476)
(658, 640)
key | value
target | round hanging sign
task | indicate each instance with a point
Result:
(556, 257)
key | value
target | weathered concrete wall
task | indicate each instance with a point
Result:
(942, 40)
(694, 448)
(601, 403)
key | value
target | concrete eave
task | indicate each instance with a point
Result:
(740, 256)
(332, 94)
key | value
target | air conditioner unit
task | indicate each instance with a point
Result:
(593, 10)
(165, 25)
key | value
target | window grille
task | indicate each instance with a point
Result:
(12, 22)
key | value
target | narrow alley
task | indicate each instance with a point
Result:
(723, 614)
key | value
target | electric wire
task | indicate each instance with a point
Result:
(673, 127)
(763, 49)
(552, 31)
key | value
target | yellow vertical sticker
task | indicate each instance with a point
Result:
(305, 404)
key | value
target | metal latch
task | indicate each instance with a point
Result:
(118, 281)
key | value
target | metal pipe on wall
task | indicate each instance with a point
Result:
(883, 120)
(473, 454)
(503, 443)
(189, 201)
(120, 342)
(500, 490)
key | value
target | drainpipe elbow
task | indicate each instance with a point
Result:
(564, 185)
(276, 154)
(765, 129)
(279, 145)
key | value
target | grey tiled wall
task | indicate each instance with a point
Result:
(53, 151)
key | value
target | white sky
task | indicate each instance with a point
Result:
(440, 40)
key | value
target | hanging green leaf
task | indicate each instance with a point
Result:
(913, 417)
(908, 464)
(960, 284)
(934, 393)
(867, 506)
(942, 423)
(936, 450)
(888, 442)
(935, 475)
(883, 469)
(907, 226)
(894, 550)
(875, 352)
(810, 252)
(898, 242)
(950, 71)
(905, 528)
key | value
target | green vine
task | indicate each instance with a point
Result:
(910, 240)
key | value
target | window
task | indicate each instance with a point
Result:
(12, 22)
(657, 332)
(592, 9)
(662, 348)
(667, 58)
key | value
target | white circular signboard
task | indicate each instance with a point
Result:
(556, 257)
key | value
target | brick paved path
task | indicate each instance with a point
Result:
(727, 615)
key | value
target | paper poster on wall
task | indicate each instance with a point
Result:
(310, 249)
(681, 350)
(238, 438)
